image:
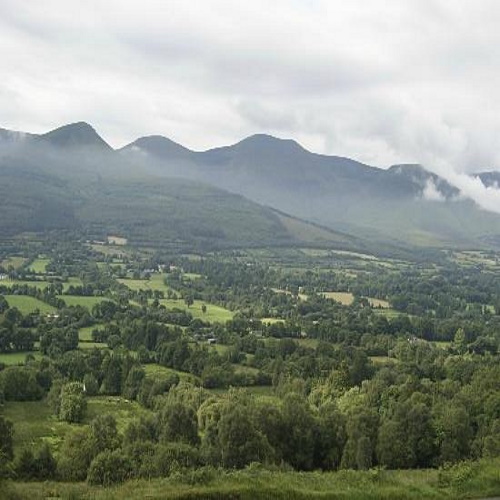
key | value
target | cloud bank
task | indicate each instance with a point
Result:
(383, 81)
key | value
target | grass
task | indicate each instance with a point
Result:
(39, 266)
(17, 358)
(214, 313)
(379, 303)
(388, 313)
(77, 300)
(156, 282)
(479, 480)
(14, 260)
(41, 285)
(72, 281)
(156, 370)
(345, 298)
(35, 423)
(92, 345)
(271, 321)
(85, 334)
(27, 304)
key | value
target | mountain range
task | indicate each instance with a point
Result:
(262, 190)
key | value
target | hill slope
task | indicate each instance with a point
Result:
(405, 204)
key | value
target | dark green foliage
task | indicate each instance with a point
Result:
(109, 467)
(6, 438)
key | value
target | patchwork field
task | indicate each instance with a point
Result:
(27, 304)
(214, 313)
(77, 300)
(17, 358)
(345, 298)
(14, 261)
(39, 266)
(35, 422)
(156, 282)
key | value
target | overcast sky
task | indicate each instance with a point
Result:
(379, 81)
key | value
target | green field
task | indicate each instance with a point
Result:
(41, 285)
(379, 303)
(214, 313)
(17, 358)
(77, 300)
(72, 281)
(39, 266)
(155, 370)
(345, 298)
(15, 261)
(28, 304)
(156, 282)
(92, 345)
(35, 423)
(464, 481)
(85, 334)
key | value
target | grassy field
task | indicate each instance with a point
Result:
(72, 281)
(92, 345)
(388, 313)
(85, 334)
(39, 266)
(155, 370)
(379, 303)
(28, 304)
(15, 261)
(214, 313)
(156, 282)
(468, 480)
(35, 423)
(77, 300)
(17, 358)
(345, 298)
(41, 285)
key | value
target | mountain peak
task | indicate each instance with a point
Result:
(73, 135)
(269, 141)
(159, 146)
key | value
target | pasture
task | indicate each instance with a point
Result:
(345, 298)
(378, 303)
(214, 313)
(39, 266)
(35, 422)
(85, 334)
(78, 300)
(27, 304)
(156, 282)
(17, 358)
(14, 261)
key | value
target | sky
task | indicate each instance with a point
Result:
(382, 82)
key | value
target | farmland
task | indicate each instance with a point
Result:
(252, 340)
(27, 304)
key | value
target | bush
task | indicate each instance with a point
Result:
(109, 467)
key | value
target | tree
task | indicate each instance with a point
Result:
(109, 467)
(6, 438)
(178, 422)
(73, 402)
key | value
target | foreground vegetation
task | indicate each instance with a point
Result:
(465, 480)
(247, 374)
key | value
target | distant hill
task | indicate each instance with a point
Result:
(403, 205)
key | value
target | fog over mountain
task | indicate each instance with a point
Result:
(403, 204)
(385, 82)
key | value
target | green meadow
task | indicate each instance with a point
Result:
(214, 313)
(27, 304)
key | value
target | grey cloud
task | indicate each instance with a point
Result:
(381, 81)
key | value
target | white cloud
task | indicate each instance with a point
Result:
(383, 81)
